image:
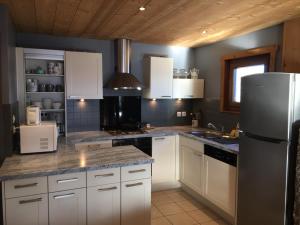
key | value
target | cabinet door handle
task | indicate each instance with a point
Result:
(136, 171)
(166, 96)
(104, 175)
(63, 196)
(133, 185)
(25, 185)
(107, 189)
(159, 139)
(189, 96)
(67, 180)
(30, 201)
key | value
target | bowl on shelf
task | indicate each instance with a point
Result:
(56, 105)
(47, 103)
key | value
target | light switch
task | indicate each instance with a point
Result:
(183, 114)
(179, 114)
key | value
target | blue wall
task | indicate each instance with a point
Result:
(208, 60)
(163, 112)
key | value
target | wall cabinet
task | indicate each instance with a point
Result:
(188, 88)
(164, 168)
(136, 202)
(220, 184)
(191, 164)
(67, 207)
(84, 77)
(30, 210)
(158, 77)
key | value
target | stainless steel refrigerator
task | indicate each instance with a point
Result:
(270, 104)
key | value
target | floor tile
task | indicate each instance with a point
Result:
(215, 222)
(155, 213)
(178, 196)
(161, 199)
(202, 215)
(160, 221)
(181, 219)
(169, 209)
(189, 205)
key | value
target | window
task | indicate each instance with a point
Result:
(239, 65)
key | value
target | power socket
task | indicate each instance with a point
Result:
(183, 114)
(179, 114)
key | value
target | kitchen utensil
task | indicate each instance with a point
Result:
(194, 73)
(47, 103)
(50, 88)
(39, 70)
(56, 105)
(50, 67)
(42, 87)
(31, 85)
(58, 68)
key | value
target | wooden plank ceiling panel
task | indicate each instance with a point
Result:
(175, 22)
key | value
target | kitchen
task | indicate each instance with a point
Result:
(141, 141)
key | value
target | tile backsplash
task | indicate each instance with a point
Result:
(83, 116)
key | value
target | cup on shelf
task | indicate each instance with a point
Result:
(59, 88)
(56, 105)
(47, 103)
(42, 87)
(50, 88)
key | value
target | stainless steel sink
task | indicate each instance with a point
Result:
(215, 136)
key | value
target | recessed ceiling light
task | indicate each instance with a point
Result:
(204, 32)
(142, 8)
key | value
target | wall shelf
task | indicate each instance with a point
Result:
(38, 92)
(43, 75)
(52, 110)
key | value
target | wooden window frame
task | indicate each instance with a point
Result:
(242, 58)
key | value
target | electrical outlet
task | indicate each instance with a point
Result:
(179, 114)
(183, 114)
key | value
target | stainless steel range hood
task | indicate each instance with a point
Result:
(123, 79)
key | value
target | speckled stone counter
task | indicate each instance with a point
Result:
(155, 132)
(67, 160)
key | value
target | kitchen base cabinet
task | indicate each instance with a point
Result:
(103, 205)
(220, 184)
(136, 202)
(67, 207)
(31, 210)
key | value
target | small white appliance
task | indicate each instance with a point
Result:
(33, 114)
(39, 138)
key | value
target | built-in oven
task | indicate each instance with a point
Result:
(143, 143)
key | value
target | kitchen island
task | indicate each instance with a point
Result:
(88, 186)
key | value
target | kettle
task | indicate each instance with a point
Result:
(33, 114)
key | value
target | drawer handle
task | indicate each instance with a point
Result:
(158, 139)
(63, 196)
(67, 180)
(30, 201)
(107, 189)
(166, 96)
(133, 185)
(25, 185)
(190, 96)
(105, 175)
(136, 171)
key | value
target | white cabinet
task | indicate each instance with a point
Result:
(220, 184)
(84, 75)
(136, 202)
(31, 210)
(188, 88)
(67, 207)
(164, 168)
(191, 164)
(103, 205)
(158, 77)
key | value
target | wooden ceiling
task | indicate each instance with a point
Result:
(175, 22)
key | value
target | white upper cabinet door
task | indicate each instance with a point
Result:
(220, 184)
(84, 77)
(31, 210)
(164, 154)
(158, 77)
(68, 207)
(191, 167)
(136, 202)
(188, 88)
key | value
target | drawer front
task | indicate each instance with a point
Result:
(193, 144)
(135, 172)
(67, 181)
(97, 144)
(25, 187)
(105, 176)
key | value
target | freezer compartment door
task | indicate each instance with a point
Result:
(261, 182)
(265, 105)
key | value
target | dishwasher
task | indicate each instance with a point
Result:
(220, 176)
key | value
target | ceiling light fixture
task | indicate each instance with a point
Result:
(204, 32)
(142, 8)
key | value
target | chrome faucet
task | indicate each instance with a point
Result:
(212, 126)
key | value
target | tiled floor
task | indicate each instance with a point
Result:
(177, 208)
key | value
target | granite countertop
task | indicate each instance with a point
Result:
(92, 136)
(67, 160)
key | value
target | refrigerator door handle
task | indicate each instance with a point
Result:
(265, 139)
